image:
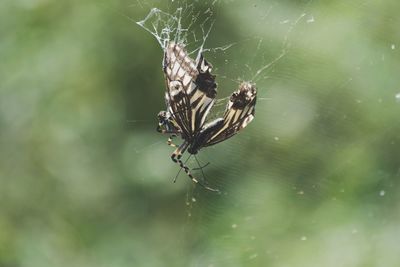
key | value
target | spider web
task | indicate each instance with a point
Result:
(295, 153)
(185, 24)
(312, 181)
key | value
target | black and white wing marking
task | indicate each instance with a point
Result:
(238, 114)
(166, 124)
(190, 88)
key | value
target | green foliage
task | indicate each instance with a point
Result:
(85, 180)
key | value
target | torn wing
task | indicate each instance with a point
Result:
(190, 88)
(238, 114)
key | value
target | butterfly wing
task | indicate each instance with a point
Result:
(190, 88)
(238, 114)
(166, 124)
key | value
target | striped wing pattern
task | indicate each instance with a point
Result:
(190, 89)
(190, 94)
(238, 114)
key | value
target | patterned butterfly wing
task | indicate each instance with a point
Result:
(190, 89)
(238, 114)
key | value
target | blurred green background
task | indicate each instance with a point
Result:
(313, 181)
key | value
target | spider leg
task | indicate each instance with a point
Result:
(180, 169)
(173, 134)
(176, 157)
(201, 167)
(169, 142)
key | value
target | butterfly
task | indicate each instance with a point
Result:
(190, 93)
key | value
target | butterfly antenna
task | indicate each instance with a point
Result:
(176, 177)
